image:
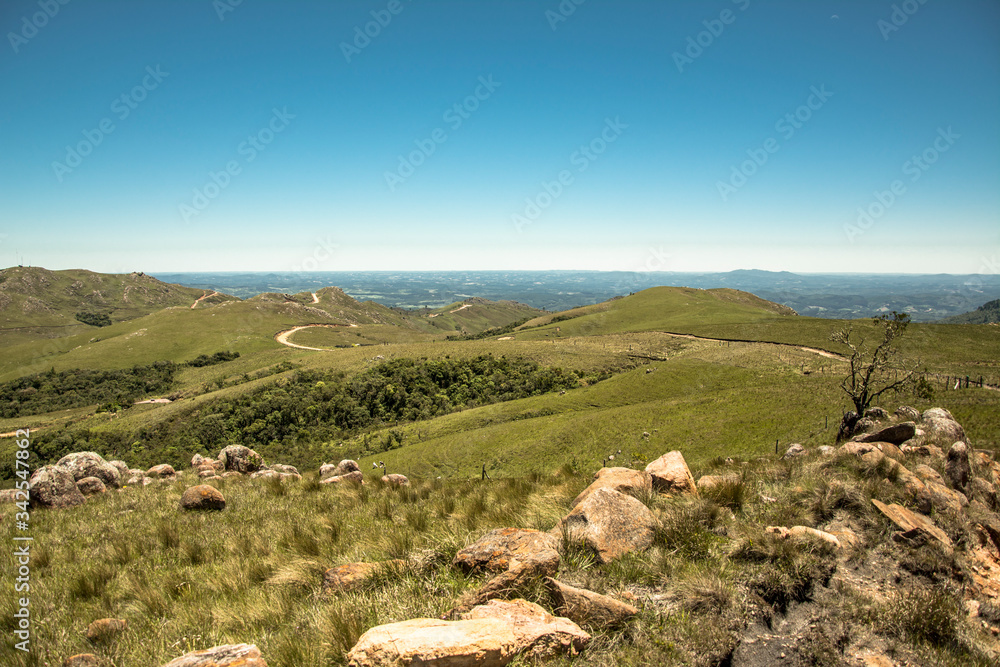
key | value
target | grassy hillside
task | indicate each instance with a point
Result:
(988, 313)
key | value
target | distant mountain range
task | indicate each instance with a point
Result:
(988, 313)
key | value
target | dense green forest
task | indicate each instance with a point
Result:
(295, 418)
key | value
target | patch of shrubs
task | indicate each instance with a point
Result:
(94, 319)
(210, 360)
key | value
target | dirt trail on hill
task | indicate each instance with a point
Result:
(468, 305)
(815, 350)
(283, 336)
(202, 298)
(315, 298)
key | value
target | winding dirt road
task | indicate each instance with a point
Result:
(283, 336)
(815, 350)
(202, 298)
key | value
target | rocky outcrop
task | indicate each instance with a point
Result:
(241, 459)
(55, 487)
(623, 480)
(610, 523)
(203, 497)
(229, 655)
(495, 551)
(90, 486)
(957, 469)
(897, 434)
(913, 526)
(91, 464)
(539, 634)
(586, 608)
(670, 474)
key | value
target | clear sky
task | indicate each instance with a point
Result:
(810, 136)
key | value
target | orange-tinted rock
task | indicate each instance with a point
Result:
(203, 497)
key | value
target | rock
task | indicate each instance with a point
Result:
(539, 634)
(928, 474)
(610, 523)
(858, 448)
(395, 480)
(985, 491)
(350, 576)
(906, 412)
(587, 608)
(203, 497)
(199, 460)
(54, 486)
(957, 469)
(826, 450)
(876, 413)
(162, 471)
(927, 450)
(91, 485)
(864, 425)
(805, 532)
(207, 474)
(345, 467)
(432, 642)
(940, 427)
(671, 474)
(105, 629)
(942, 498)
(623, 480)
(912, 524)
(231, 473)
(240, 459)
(847, 537)
(82, 660)
(288, 470)
(122, 468)
(13, 495)
(265, 474)
(90, 464)
(890, 450)
(230, 655)
(712, 481)
(495, 551)
(936, 413)
(794, 451)
(356, 477)
(897, 434)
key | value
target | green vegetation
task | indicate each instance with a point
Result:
(211, 360)
(988, 313)
(94, 319)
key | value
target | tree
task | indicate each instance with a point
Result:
(875, 372)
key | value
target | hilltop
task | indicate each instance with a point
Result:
(988, 313)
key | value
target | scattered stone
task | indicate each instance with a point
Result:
(230, 655)
(350, 576)
(957, 469)
(940, 426)
(587, 608)
(207, 474)
(876, 413)
(91, 464)
(288, 470)
(890, 450)
(90, 486)
(240, 459)
(847, 537)
(395, 479)
(610, 523)
(203, 497)
(942, 498)
(826, 450)
(804, 532)
(671, 474)
(858, 448)
(906, 412)
(928, 474)
(345, 467)
(232, 473)
(122, 468)
(539, 634)
(54, 486)
(497, 549)
(357, 477)
(105, 629)
(897, 434)
(927, 450)
(162, 471)
(623, 480)
(199, 460)
(794, 451)
(429, 641)
(912, 524)
(13, 495)
(985, 491)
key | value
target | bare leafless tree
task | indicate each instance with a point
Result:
(874, 372)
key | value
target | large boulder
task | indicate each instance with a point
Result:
(587, 608)
(240, 459)
(345, 467)
(941, 428)
(489, 636)
(610, 523)
(91, 464)
(162, 471)
(495, 551)
(230, 655)
(203, 497)
(897, 434)
(623, 480)
(122, 469)
(54, 486)
(90, 486)
(395, 479)
(670, 474)
(957, 469)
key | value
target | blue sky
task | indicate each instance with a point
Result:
(412, 134)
